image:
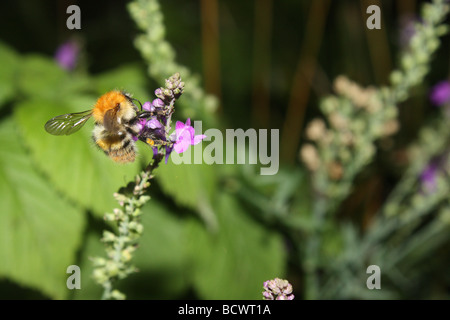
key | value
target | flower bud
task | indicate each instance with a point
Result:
(147, 106)
(116, 294)
(167, 92)
(277, 289)
(159, 93)
(108, 236)
(158, 103)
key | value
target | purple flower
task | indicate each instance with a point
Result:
(168, 152)
(155, 151)
(428, 177)
(151, 128)
(153, 123)
(185, 136)
(159, 93)
(142, 123)
(67, 55)
(277, 289)
(182, 138)
(147, 106)
(158, 103)
(440, 94)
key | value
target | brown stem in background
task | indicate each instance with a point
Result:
(210, 47)
(406, 6)
(377, 42)
(261, 63)
(301, 86)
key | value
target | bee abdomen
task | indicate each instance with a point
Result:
(123, 155)
(120, 148)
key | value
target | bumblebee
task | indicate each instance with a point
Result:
(116, 127)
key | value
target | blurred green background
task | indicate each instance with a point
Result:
(219, 231)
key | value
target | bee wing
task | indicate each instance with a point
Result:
(110, 120)
(67, 123)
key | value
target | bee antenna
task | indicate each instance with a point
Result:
(134, 99)
(131, 99)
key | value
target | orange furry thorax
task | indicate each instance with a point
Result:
(106, 102)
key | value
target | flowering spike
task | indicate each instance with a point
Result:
(154, 126)
(277, 289)
(158, 103)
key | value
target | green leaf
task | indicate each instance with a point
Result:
(191, 185)
(187, 183)
(39, 230)
(235, 262)
(8, 71)
(73, 163)
(42, 77)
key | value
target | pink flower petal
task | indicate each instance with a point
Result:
(153, 124)
(147, 106)
(183, 142)
(180, 147)
(179, 126)
(191, 132)
(198, 138)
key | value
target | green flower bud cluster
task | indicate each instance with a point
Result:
(121, 246)
(160, 57)
(415, 62)
(409, 194)
(356, 117)
(344, 143)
